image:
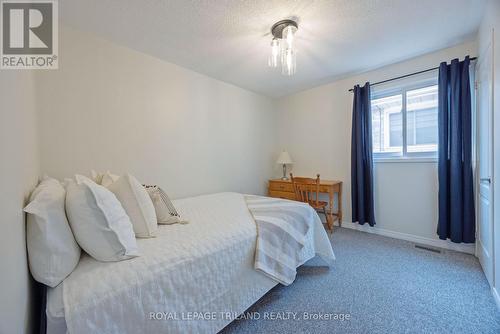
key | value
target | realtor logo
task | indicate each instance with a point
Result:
(29, 34)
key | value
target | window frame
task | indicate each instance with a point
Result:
(404, 156)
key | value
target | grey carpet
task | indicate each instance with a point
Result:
(386, 286)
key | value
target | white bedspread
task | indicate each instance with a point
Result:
(194, 273)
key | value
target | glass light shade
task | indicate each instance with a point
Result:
(289, 62)
(288, 52)
(283, 47)
(275, 53)
(289, 36)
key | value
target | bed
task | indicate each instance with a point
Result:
(191, 278)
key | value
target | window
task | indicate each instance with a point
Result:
(405, 121)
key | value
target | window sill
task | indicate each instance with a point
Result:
(406, 160)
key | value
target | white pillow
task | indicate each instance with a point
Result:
(99, 178)
(52, 250)
(107, 179)
(99, 222)
(137, 204)
(96, 177)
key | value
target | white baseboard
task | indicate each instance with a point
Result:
(464, 248)
(496, 296)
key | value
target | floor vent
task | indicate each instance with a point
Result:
(434, 250)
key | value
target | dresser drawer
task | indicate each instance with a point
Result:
(282, 194)
(280, 186)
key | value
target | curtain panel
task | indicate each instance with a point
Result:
(362, 158)
(456, 187)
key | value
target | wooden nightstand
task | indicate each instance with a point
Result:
(283, 189)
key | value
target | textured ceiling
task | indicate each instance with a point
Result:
(229, 39)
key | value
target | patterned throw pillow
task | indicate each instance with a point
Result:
(166, 213)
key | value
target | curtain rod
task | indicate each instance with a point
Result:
(407, 75)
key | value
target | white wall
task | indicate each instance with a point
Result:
(19, 173)
(109, 107)
(315, 127)
(492, 21)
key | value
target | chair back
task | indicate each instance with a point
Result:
(306, 189)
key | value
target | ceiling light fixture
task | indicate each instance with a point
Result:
(283, 46)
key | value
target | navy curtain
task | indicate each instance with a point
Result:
(361, 158)
(456, 188)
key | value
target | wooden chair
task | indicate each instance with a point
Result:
(307, 190)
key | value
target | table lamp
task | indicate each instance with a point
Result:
(284, 159)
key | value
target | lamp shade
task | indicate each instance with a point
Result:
(284, 158)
